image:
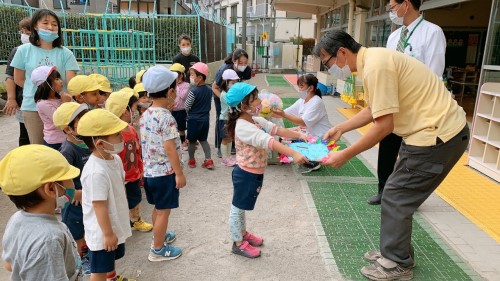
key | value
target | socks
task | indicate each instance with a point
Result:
(224, 150)
(183, 138)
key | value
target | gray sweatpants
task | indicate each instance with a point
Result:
(417, 173)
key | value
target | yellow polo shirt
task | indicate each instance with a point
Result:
(398, 84)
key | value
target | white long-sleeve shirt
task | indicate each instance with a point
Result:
(427, 44)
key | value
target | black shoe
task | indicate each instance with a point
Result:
(309, 167)
(375, 199)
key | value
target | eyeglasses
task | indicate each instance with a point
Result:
(325, 64)
(390, 8)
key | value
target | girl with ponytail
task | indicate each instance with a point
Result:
(253, 136)
(308, 112)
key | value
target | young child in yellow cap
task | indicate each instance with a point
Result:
(123, 104)
(36, 246)
(144, 100)
(163, 174)
(76, 152)
(179, 110)
(105, 87)
(85, 90)
(104, 202)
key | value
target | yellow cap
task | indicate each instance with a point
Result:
(178, 67)
(139, 87)
(100, 122)
(138, 76)
(66, 113)
(117, 102)
(103, 81)
(82, 83)
(43, 164)
(129, 90)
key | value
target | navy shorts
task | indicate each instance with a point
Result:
(72, 217)
(161, 192)
(221, 130)
(134, 195)
(197, 130)
(247, 188)
(103, 261)
(181, 118)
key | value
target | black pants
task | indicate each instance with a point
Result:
(23, 135)
(387, 155)
(418, 172)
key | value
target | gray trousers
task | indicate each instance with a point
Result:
(417, 173)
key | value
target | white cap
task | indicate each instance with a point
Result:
(158, 78)
(40, 74)
(230, 74)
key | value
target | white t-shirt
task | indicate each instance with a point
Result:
(104, 180)
(313, 112)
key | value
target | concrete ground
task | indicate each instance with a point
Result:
(295, 247)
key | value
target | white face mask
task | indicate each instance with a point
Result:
(192, 82)
(340, 73)
(303, 94)
(117, 147)
(145, 105)
(241, 68)
(393, 15)
(186, 51)
(25, 38)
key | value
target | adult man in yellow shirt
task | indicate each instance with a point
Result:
(404, 97)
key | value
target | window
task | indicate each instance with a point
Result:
(223, 13)
(32, 3)
(234, 13)
(79, 2)
(57, 4)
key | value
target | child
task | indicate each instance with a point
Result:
(253, 135)
(179, 111)
(198, 104)
(123, 105)
(144, 101)
(66, 118)
(84, 90)
(36, 246)
(162, 159)
(105, 89)
(48, 82)
(229, 77)
(185, 57)
(104, 201)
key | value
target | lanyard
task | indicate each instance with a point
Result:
(405, 44)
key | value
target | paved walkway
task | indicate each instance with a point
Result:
(302, 243)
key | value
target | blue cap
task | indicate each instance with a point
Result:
(238, 92)
(158, 78)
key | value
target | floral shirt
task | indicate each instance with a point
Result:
(158, 126)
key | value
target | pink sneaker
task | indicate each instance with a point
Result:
(246, 250)
(253, 240)
(229, 162)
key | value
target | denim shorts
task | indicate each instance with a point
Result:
(247, 188)
(103, 261)
(72, 217)
(134, 195)
(162, 192)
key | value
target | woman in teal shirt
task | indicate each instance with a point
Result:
(45, 49)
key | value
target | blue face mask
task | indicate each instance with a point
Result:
(47, 36)
(65, 199)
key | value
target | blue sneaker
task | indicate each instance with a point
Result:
(169, 238)
(167, 252)
(85, 264)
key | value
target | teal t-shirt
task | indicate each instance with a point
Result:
(223, 106)
(28, 57)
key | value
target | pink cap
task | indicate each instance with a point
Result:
(201, 68)
(40, 74)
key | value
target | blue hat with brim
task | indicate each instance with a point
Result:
(238, 92)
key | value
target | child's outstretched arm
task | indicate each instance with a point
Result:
(173, 156)
(297, 156)
(282, 132)
(102, 214)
